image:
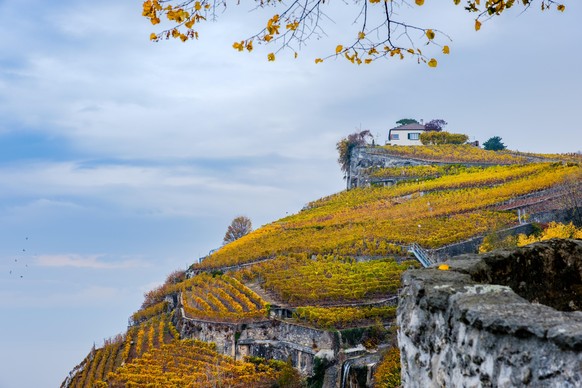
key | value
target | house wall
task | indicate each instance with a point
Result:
(403, 137)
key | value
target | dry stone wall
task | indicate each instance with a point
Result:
(469, 327)
(273, 339)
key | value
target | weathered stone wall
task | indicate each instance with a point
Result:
(273, 339)
(458, 331)
(362, 158)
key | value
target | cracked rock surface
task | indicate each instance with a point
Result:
(503, 319)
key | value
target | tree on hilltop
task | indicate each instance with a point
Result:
(494, 144)
(379, 32)
(406, 121)
(239, 227)
(435, 125)
(347, 144)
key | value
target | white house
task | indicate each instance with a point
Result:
(408, 134)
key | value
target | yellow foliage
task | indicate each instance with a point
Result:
(387, 373)
(381, 221)
(221, 298)
(341, 317)
(271, 57)
(300, 23)
(192, 363)
(328, 278)
(477, 25)
(553, 230)
(238, 45)
(292, 26)
(273, 26)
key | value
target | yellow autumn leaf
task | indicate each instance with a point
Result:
(444, 267)
(153, 36)
(271, 57)
(361, 35)
(339, 49)
(419, 2)
(238, 45)
(318, 60)
(268, 38)
(432, 62)
(430, 34)
(295, 55)
(197, 6)
(477, 25)
(292, 26)
(249, 46)
(561, 7)
(446, 49)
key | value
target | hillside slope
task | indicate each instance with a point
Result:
(335, 265)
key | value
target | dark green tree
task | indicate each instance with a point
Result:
(494, 144)
(406, 121)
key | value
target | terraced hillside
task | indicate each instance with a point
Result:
(333, 267)
(382, 221)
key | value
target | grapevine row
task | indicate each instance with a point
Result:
(192, 363)
(221, 298)
(342, 317)
(379, 221)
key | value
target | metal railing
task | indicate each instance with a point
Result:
(421, 255)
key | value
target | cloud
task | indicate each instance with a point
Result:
(86, 261)
(93, 294)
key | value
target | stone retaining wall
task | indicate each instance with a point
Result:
(362, 158)
(467, 326)
(273, 339)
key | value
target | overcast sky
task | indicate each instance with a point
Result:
(122, 160)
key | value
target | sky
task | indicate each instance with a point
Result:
(122, 160)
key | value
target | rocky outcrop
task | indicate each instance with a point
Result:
(481, 323)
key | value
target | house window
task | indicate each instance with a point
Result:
(414, 136)
(394, 136)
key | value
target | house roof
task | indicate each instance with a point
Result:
(409, 127)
